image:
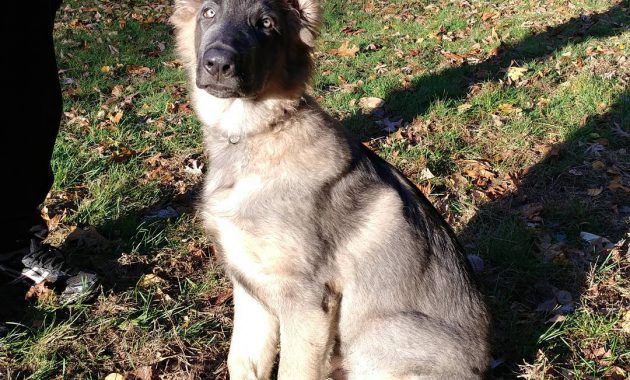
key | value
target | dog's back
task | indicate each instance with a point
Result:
(411, 289)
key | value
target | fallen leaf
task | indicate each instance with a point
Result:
(88, 237)
(507, 108)
(516, 73)
(556, 318)
(117, 90)
(596, 241)
(532, 210)
(593, 192)
(139, 70)
(371, 103)
(598, 165)
(497, 121)
(454, 57)
(225, 296)
(464, 107)
(617, 183)
(144, 372)
(345, 50)
(625, 323)
(426, 174)
(114, 376)
(123, 154)
(40, 292)
(485, 16)
(52, 222)
(106, 69)
(391, 126)
(194, 169)
(149, 280)
(115, 118)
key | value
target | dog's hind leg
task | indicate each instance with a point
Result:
(254, 342)
(409, 346)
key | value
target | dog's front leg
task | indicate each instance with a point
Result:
(305, 341)
(254, 339)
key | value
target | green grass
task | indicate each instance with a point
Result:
(542, 140)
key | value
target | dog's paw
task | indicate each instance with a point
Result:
(242, 369)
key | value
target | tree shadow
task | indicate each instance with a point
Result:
(528, 263)
(519, 277)
(455, 83)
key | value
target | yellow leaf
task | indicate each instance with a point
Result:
(516, 73)
(507, 108)
(598, 165)
(149, 280)
(106, 69)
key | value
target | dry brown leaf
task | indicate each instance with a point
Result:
(594, 191)
(88, 237)
(117, 90)
(617, 184)
(143, 373)
(115, 118)
(454, 57)
(345, 50)
(477, 168)
(225, 296)
(485, 16)
(139, 70)
(123, 154)
(40, 292)
(52, 222)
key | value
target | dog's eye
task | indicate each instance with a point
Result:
(266, 22)
(209, 13)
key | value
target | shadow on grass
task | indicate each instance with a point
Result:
(519, 274)
(517, 278)
(454, 83)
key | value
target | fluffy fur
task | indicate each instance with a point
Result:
(334, 255)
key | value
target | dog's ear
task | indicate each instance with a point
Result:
(310, 14)
(184, 11)
(183, 19)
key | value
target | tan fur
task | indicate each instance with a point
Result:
(374, 303)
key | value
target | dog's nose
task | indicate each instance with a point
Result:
(219, 63)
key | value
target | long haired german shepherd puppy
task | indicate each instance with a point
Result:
(334, 255)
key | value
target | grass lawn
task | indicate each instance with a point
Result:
(513, 117)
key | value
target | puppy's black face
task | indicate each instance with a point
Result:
(241, 45)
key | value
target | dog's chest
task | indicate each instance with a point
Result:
(245, 224)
